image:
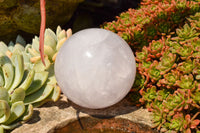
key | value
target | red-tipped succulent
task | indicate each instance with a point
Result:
(172, 87)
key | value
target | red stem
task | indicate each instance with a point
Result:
(42, 29)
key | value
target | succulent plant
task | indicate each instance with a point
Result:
(52, 44)
(13, 109)
(152, 20)
(24, 81)
(172, 79)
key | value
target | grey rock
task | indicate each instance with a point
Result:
(53, 116)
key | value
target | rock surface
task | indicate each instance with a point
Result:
(24, 15)
(52, 116)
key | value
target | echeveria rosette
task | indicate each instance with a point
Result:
(196, 70)
(156, 49)
(186, 82)
(186, 67)
(183, 122)
(167, 62)
(28, 83)
(186, 33)
(195, 44)
(185, 51)
(52, 44)
(178, 72)
(169, 79)
(153, 72)
(194, 20)
(153, 19)
(13, 110)
(143, 55)
(158, 115)
(148, 96)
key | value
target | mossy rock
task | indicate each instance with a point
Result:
(24, 15)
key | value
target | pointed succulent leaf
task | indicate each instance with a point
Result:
(19, 71)
(35, 44)
(28, 78)
(40, 95)
(58, 30)
(3, 47)
(60, 43)
(49, 32)
(50, 41)
(20, 40)
(18, 48)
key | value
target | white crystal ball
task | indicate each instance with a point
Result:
(95, 68)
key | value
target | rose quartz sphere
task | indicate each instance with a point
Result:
(95, 68)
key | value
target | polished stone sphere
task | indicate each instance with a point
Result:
(95, 68)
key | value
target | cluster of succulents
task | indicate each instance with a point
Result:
(170, 71)
(153, 19)
(25, 82)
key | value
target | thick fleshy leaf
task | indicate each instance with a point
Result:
(4, 94)
(4, 111)
(28, 79)
(8, 70)
(38, 81)
(3, 47)
(17, 110)
(40, 95)
(19, 71)
(11, 126)
(54, 96)
(195, 123)
(28, 112)
(17, 95)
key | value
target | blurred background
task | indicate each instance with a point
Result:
(23, 17)
(92, 13)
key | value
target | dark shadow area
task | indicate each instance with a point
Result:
(35, 117)
(93, 13)
(61, 104)
(125, 106)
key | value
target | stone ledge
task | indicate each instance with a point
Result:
(52, 116)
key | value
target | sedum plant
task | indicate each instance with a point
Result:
(170, 70)
(24, 81)
(153, 19)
